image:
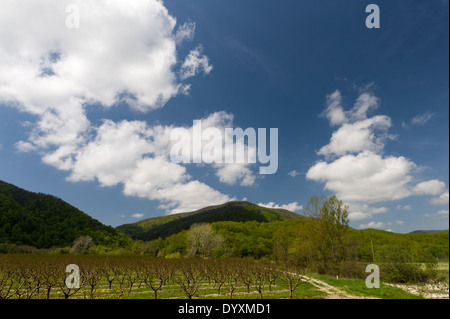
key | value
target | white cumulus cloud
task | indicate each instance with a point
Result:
(232, 173)
(372, 224)
(293, 173)
(136, 155)
(334, 111)
(358, 136)
(431, 187)
(293, 207)
(121, 52)
(355, 166)
(441, 214)
(195, 63)
(441, 200)
(358, 211)
(366, 177)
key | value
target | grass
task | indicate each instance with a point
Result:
(357, 287)
(205, 291)
(443, 265)
(353, 287)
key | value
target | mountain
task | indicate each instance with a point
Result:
(164, 226)
(427, 231)
(45, 221)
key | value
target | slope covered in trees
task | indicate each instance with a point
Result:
(323, 237)
(45, 221)
(235, 229)
(153, 228)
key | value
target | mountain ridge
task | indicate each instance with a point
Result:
(240, 211)
(427, 231)
(45, 221)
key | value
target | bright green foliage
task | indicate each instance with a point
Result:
(163, 227)
(325, 229)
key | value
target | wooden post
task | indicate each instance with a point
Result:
(373, 253)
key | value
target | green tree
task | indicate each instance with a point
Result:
(325, 228)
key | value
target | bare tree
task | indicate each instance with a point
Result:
(93, 274)
(31, 279)
(272, 274)
(231, 275)
(82, 244)
(189, 278)
(110, 273)
(260, 277)
(217, 272)
(293, 276)
(245, 275)
(7, 281)
(120, 274)
(202, 240)
(49, 275)
(156, 274)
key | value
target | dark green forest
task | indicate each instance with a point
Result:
(45, 221)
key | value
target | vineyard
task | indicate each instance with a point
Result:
(38, 277)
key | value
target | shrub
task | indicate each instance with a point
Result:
(401, 264)
(82, 244)
(352, 269)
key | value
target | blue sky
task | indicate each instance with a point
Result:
(362, 113)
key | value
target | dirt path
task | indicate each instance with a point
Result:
(333, 292)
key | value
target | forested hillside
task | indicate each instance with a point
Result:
(45, 221)
(234, 229)
(153, 228)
